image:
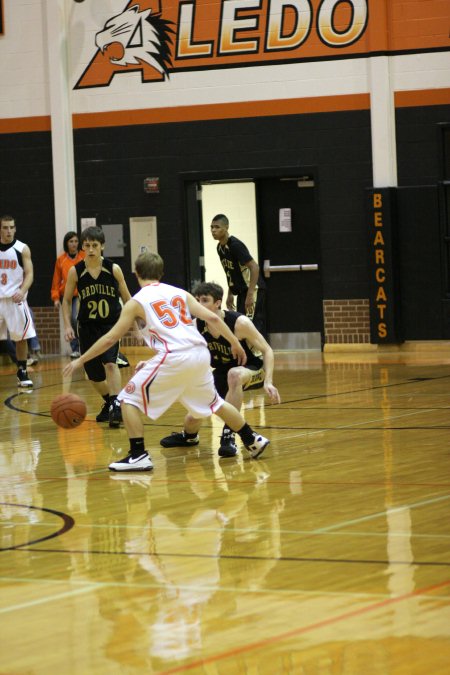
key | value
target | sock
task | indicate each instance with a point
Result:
(22, 365)
(137, 447)
(247, 434)
(186, 435)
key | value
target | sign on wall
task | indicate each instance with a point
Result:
(158, 37)
(385, 320)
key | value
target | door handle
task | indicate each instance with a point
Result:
(268, 268)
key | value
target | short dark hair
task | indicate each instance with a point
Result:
(93, 233)
(7, 217)
(149, 265)
(68, 236)
(223, 219)
(208, 288)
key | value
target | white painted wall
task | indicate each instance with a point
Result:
(24, 76)
(237, 202)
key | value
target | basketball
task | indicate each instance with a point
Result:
(68, 410)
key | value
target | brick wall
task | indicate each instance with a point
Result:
(346, 321)
(47, 327)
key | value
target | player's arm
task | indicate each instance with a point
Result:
(66, 305)
(130, 313)
(125, 295)
(218, 326)
(123, 288)
(56, 284)
(245, 330)
(253, 266)
(28, 276)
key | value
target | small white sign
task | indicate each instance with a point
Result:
(285, 220)
(88, 222)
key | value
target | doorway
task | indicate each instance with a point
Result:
(255, 208)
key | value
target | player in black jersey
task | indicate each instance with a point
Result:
(231, 380)
(101, 285)
(244, 277)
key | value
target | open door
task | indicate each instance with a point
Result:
(288, 228)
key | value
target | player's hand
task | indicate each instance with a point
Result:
(70, 367)
(18, 297)
(57, 304)
(139, 365)
(272, 393)
(69, 335)
(230, 301)
(250, 303)
(239, 354)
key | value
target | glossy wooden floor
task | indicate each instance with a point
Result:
(330, 556)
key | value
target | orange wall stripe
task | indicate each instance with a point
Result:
(223, 111)
(296, 106)
(417, 98)
(15, 125)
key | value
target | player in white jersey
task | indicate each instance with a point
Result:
(179, 370)
(16, 277)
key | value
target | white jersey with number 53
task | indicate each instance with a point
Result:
(169, 326)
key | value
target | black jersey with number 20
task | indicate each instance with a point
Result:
(99, 298)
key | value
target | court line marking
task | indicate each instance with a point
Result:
(305, 629)
(379, 514)
(174, 528)
(48, 598)
(190, 587)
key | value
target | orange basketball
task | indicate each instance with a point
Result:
(68, 410)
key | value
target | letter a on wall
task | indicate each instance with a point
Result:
(137, 39)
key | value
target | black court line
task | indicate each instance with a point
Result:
(68, 521)
(193, 556)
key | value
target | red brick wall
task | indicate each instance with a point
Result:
(346, 321)
(47, 327)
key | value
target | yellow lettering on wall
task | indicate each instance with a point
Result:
(382, 330)
(377, 200)
(378, 239)
(381, 295)
(378, 219)
(379, 256)
(380, 275)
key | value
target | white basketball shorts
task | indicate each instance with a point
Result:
(183, 376)
(15, 318)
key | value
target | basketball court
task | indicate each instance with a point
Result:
(329, 555)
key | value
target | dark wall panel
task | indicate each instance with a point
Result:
(26, 193)
(111, 165)
(420, 263)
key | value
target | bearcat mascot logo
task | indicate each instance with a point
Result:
(136, 39)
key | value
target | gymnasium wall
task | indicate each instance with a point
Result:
(224, 98)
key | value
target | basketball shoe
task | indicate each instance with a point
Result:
(228, 447)
(129, 463)
(179, 440)
(258, 446)
(114, 414)
(23, 380)
(103, 415)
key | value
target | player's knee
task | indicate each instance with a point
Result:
(234, 378)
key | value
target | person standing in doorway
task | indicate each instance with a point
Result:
(70, 257)
(16, 277)
(100, 284)
(243, 274)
